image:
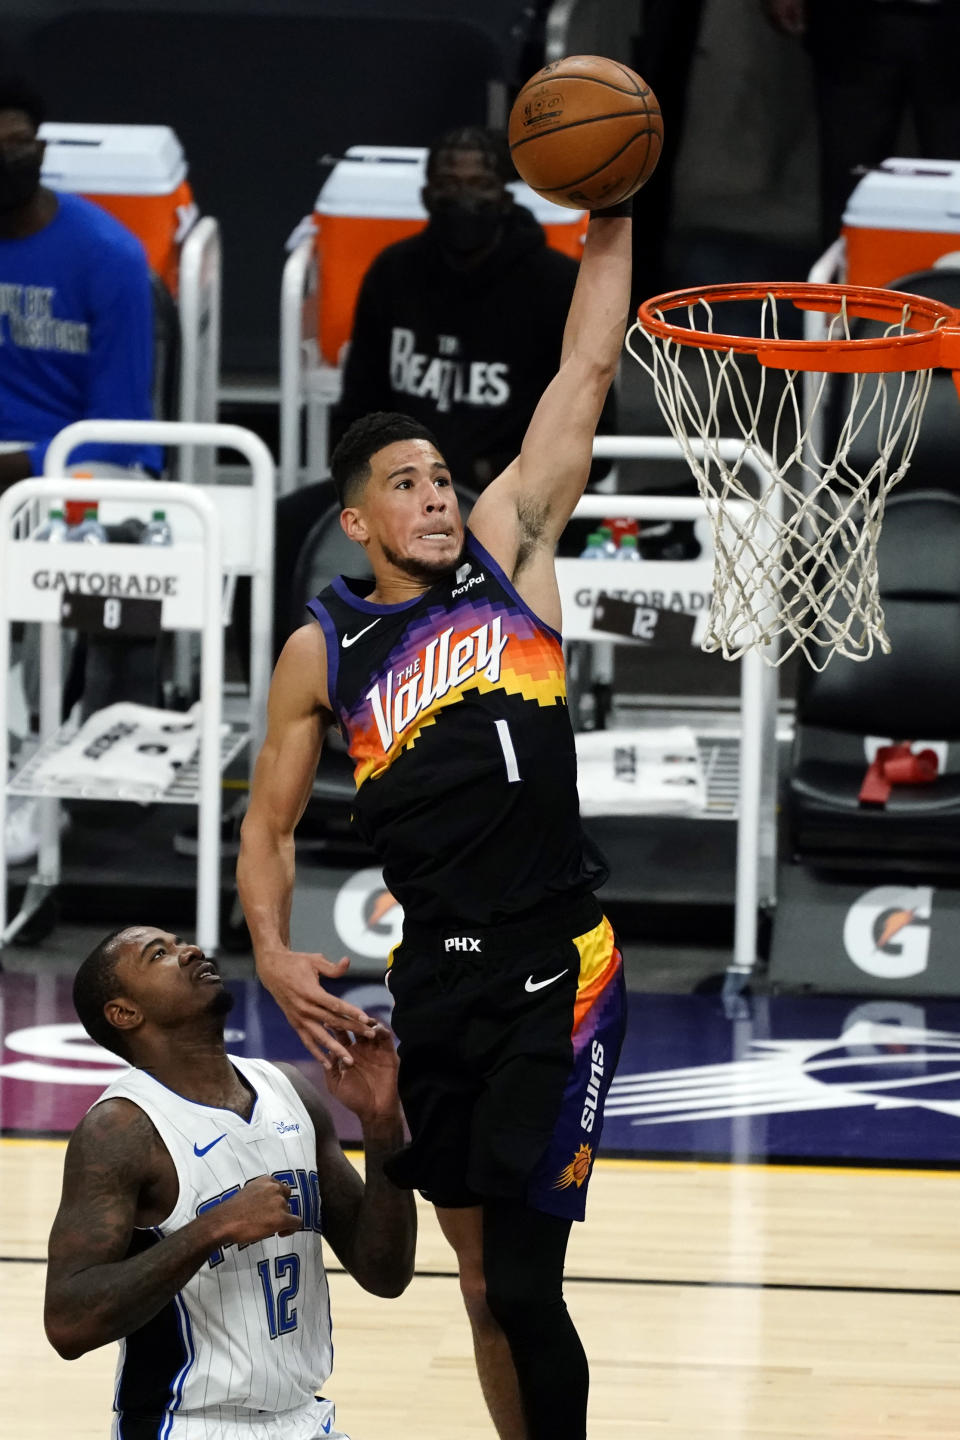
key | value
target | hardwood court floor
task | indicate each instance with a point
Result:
(714, 1301)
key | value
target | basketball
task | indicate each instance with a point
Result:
(585, 132)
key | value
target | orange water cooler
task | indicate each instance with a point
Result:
(902, 217)
(136, 172)
(372, 198)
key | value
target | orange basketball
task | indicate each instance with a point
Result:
(585, 132)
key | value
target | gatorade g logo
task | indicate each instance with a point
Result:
(884, 933)
(366, 917)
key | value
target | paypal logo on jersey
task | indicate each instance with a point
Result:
(444, 667)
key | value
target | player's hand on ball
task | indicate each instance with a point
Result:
(293, 978)
(262, 1208)
(368, 1087)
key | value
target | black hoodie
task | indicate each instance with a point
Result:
(467, 352)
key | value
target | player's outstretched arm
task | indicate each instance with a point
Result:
(298, 717)
(522, 514)
(96, 1292)
(370, 1224)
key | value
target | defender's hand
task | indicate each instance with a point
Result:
(293, 979)
(262, 1208)
(368, 1087)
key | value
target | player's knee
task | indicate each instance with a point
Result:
(473, 1288)
(522, 1315)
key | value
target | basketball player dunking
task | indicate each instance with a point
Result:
(445, 676)
(194, 1195)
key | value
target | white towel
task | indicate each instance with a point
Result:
(133, 746)
(640, 772)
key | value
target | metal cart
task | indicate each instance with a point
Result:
(222, 531)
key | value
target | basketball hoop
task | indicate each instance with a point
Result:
(800, 563)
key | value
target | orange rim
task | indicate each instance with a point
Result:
(933, 339)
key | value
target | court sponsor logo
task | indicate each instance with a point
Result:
(367, 918)
(577, 1172)
(886, 931)
(871, 1065)
(65, 1055)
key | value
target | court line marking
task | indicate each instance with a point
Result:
(944, 1170)
(646, 1281)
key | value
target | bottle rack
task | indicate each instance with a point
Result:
(222, 531)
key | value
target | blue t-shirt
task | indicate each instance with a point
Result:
(76, 333)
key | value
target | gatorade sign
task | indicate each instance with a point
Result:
(887, 931)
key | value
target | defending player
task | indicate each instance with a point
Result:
(446, 678)
(193, 1197)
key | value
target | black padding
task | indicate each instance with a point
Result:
(911, 694)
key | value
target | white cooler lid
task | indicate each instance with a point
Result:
(383, 182)
(903, 194)
(112, 159)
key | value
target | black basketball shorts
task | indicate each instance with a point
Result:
(509, 1037)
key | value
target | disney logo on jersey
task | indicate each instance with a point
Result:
(442, 668)
(286, 1127)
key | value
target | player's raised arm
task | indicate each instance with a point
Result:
(298, 718)
(523, 513)
(370, 1224)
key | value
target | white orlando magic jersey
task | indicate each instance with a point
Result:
(251, 1329)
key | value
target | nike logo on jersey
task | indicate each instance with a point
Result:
(327, 1425)
(533, 985)
(349, 640)
(197, 1149)
(444, 667)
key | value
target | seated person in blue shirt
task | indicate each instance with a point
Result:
(76, 309)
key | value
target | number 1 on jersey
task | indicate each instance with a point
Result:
(509, 754)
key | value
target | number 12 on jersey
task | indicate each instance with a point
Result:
(281, 1319)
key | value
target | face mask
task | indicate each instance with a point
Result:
(465, 228)
(19, 179)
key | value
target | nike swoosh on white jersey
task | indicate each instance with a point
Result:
(349, 640)
(533, 985)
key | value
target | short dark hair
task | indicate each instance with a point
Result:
(350, 461)
(94, 984)
(17, 94)
(492, 144)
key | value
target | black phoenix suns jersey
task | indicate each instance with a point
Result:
(453, 707)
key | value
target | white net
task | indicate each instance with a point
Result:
(795, 566)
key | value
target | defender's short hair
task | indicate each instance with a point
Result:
(492, 144)
(350, 461)
(94, 984)
(17, 94)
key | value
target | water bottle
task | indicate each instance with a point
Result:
(89, 531)
(609, 544)
(158, 532)
(628, 549)
(594, 549)
(55, 527)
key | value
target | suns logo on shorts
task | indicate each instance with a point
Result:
(577, 1172)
